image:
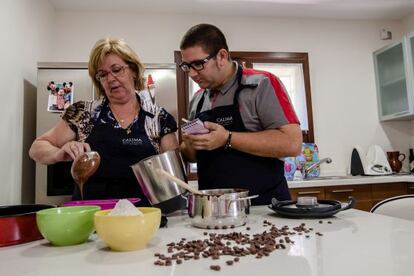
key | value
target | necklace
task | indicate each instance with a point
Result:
(128, 129)
(122, 121)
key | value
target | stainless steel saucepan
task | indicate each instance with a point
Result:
(160, 191)
(163, 180)
(219, 208)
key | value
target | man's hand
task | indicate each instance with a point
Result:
(216, 138)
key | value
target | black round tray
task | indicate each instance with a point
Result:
(324, 208)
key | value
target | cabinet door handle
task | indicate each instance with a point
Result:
(309, 193)
(411, 187)
(343, 191)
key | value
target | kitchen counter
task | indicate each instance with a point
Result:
(351, 180)
(354, 243)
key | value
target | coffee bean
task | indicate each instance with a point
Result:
(215, 267)
(216, 244)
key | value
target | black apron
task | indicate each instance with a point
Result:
(230, 168)
(118, 150)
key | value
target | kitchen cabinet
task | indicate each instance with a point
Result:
(318, 192)
(395, 80)
(366, 195)
(383, 191)
(410, 188)
(362, 194)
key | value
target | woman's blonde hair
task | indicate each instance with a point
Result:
(106, 46)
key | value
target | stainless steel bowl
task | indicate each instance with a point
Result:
(159, 189)
(219, 208)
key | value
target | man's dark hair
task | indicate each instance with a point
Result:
(207, 36)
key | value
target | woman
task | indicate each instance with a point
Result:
(123, 126)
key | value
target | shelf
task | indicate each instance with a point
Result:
(393, 81)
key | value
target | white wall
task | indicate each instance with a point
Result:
(408, 24)
(26, 28)
(341, 64)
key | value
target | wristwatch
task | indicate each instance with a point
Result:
(228, 142)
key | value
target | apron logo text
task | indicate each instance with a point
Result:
(225, 121)
(132, 142)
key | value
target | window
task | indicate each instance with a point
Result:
(291, 75)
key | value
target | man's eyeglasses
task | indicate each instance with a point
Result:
(116, 71)
(197, 65)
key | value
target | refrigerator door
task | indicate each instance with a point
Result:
(164, 89)
(54, 184)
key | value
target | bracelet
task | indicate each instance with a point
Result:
(228, 142)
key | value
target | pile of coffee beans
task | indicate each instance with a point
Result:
(234, 245)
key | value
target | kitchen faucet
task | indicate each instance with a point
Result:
(315, 165)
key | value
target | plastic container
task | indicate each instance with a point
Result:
(103, 203)
(18, 223)
(64, 226)
(127, 233)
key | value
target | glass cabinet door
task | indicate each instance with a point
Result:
(410, 71)
(392, 91)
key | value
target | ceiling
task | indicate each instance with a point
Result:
(329, 9)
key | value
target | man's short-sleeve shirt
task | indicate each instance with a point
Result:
(265, 106)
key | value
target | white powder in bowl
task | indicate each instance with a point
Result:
(124, 207)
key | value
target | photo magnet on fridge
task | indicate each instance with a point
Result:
(60, 95)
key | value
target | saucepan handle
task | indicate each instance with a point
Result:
(241, 199)
(351, 203)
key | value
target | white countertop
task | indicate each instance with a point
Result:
(355, 243)
(351, 180)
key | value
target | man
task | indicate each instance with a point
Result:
(248, 113)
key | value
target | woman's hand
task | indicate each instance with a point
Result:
(71, 150)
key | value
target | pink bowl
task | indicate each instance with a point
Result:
(103, 203)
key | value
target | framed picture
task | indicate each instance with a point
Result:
(60, 95)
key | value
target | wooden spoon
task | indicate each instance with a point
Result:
(179, 182)
(83, 167)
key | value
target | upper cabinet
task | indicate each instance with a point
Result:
(395, 80)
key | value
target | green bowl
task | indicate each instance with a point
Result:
(66, 225)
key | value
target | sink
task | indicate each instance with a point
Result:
(331, 177)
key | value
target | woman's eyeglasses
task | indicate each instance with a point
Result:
(116, 71)
(197, 65)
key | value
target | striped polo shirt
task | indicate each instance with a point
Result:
(267, 106)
